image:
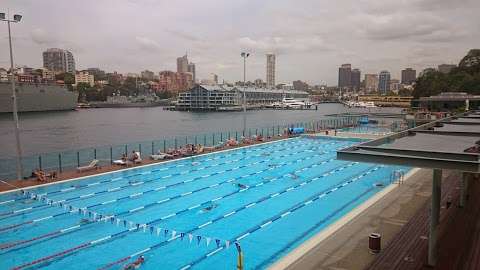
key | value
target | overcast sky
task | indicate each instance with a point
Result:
(310, 37)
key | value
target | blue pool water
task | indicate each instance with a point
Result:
(370, 129)
(269, 198)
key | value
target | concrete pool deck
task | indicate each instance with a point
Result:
(344, 245)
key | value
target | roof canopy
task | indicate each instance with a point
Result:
(448, 143)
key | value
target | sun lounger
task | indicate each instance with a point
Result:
(92, 166)
(119, 162)
(161, 156)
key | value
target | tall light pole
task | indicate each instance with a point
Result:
(244, 56)
(16, 19)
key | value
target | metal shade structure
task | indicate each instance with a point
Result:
(451, 143)
(447, 143)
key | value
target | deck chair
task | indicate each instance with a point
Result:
(92, 166)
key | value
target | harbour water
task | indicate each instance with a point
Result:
(59, 131)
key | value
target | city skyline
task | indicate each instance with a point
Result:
(310, 53)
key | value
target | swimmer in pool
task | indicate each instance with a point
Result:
(210, 207)
(293, 176)
(136, 264)
(84, 221)
(242, 186)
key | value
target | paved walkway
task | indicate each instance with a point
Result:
(347, 248)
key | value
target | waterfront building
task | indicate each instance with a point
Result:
(355, 79)
(214, 78)
(387, 101)
(147, 75)
(371, 83)
(270, 70)
(448, 101)
(84, 77)
(384, 82)
(182, 64)
(59, 60)
(345, 76)
(219, 97)
(48, 75)
(3, 75)
(446, 68)
(409, 76)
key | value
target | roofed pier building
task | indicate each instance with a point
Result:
(216, 97)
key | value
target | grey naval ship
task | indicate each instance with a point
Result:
(33, 97)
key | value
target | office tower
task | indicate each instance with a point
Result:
(371, 83)
(182, 64)
(58, 60)
(409, 76)
(345, 76)
(355, 79)
(270, 70)
(191, 69)
(384, 82)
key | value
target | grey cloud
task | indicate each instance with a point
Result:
(312, 37)
(41, 37)
(284, 45)
(148, 44)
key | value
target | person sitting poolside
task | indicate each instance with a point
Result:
(134, 156)
(231, 142)
(136, 264)
(40, 175)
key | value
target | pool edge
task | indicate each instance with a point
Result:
(142, 166)
(305, 247)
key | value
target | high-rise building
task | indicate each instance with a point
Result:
(299, 85)
(395, 85)
(147, 75)
(182, 64)
(270, 70)
(191, 69)
(355, 79)
(58, 60)
(384, 82)
(371, 83)
(409, 76)
(215, 78)
(345, 76)
(446, 68)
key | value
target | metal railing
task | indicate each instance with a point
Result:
(70, 160)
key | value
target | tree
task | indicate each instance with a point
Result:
(67, 78)
(464, 78)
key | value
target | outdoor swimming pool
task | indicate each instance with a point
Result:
(368, 129)
(189, 213)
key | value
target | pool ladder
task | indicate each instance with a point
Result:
(397, 177)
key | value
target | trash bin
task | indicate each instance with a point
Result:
(374, 243)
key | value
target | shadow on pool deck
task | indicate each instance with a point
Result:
(347, 248)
